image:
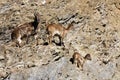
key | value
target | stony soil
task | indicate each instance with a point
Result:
(96, 32)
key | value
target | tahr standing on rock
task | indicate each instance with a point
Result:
(26, 30)
(58, 29)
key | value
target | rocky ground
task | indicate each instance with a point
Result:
(96, 32)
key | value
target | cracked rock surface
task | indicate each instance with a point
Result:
(96, 31)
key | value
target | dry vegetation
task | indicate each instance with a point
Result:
(96, 32)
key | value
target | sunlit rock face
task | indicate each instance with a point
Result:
(95, 31)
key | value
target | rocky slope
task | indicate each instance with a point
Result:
(96, 32)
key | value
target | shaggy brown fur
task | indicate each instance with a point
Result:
(80, 60)
(26, 29)
(58, 29)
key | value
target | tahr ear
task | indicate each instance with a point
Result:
(70, 26)
(37, 16)
(88, 57)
